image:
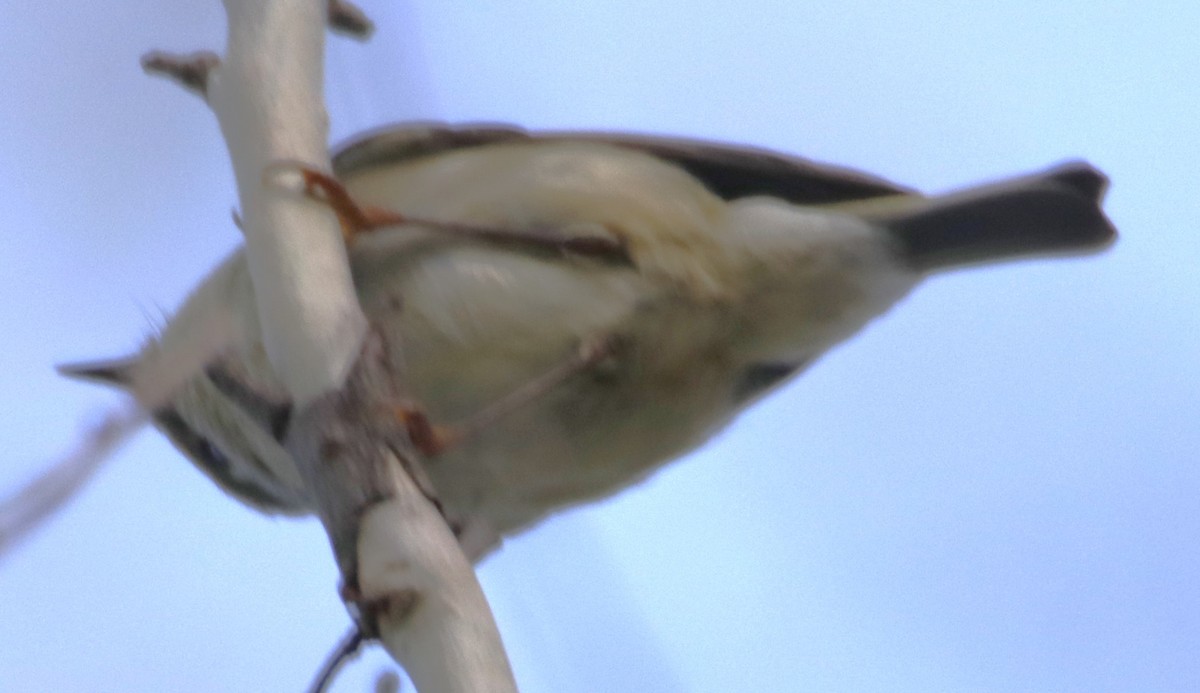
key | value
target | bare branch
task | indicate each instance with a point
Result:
(191, 70)
(404, 572)
(30, 507)
(203, 328)
(431, 613)
(347, 19)
(267, 93)
(402, 566)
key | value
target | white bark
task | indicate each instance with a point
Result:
(420, 590)
(438, 635)
(267, 93)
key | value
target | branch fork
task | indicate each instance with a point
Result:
(412, 586)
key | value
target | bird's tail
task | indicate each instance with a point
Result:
(1055, 212)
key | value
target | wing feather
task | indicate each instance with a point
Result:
(729, 171)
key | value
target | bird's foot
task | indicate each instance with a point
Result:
(356, 219)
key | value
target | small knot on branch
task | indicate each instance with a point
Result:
(189, 70)
(347, 19)
(387, 682)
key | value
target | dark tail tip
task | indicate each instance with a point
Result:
(1081, 177)
(1055, 212)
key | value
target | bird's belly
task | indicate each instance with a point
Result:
(475, 325)
(595, 435)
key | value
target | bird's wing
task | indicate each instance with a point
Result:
(728, 171)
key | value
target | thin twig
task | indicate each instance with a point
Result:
(30, 507)
(346, 649)
(191, 70)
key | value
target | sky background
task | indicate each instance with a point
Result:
(993, 488)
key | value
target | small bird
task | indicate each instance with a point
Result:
(654, 287)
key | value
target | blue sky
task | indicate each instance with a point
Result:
(993, 488)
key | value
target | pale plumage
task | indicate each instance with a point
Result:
(743, 267)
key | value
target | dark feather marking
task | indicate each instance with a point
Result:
(213, 462)
(272, 416)
(757, 378)
(204, 453)
(734, 172)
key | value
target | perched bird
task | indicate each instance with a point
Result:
(725, 271)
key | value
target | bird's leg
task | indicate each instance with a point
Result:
(358, 219)
(432, 439)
